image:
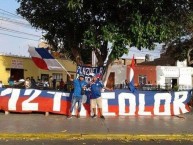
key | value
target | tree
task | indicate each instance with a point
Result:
(78, 26)
(180, 49)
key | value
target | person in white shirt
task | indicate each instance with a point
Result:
(27, 83)
(125, 84)
(1, 84)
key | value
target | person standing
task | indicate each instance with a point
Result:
(125, 84)
(96, 100)
(50, 82)
(78, 84)
(27, 83)
(1, 84)
(11, 81)
(54, 84)
(46, 84)
(33, 83)
(61, 85)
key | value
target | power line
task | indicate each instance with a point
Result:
(7, 16)
(18, 37)
(10, 16)
(11, 13)
(15, 22)
(21, 21)
(15, 31)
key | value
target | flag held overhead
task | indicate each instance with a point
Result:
(131, 82)
(43, 59)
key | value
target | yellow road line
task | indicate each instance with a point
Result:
(36, 136)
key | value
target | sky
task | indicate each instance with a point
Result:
(16, 34)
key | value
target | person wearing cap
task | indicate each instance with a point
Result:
(96, 100)
(78, 84)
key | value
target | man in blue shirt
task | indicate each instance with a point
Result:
(96, 99)
(78, 84)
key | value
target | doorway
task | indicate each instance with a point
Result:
(111, 80)
(174, 83)
(17, 74)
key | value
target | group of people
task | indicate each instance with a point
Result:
(30, 83)
(79, 85)
(63, 85)
(96, 87)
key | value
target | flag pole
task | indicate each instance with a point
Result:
(63, 67)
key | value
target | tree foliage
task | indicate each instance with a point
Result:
(78, 26)
(181, 49)
(181, 46)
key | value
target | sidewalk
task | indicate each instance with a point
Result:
(33, 124)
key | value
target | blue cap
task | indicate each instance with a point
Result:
(81, 75)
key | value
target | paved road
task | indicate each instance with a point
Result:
(33, 126)
(92, 142)
(39, 123)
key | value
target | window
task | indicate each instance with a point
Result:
(142, 79)
(57, 76)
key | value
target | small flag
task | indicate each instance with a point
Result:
(131, 82)
(43, 59)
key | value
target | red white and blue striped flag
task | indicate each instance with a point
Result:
(43, 59)
(131, 82)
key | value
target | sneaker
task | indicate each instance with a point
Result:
(94, 116)
(102, 117)
(69, 117)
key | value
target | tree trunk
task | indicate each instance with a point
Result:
(189, 61)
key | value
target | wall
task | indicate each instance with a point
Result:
(182, 74)
(185, 79)
(30, 69)
(4, 61)
(149, 71)
(120, 73)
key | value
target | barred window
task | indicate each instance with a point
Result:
(142, 79)
(57, 76)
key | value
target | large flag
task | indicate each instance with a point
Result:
(131, 81)
(43, 59)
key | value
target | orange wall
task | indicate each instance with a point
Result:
(149, 71)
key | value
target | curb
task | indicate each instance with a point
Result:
(58, 136)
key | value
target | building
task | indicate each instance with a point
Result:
(116, 76)
(171, 76)
(23, 67)
(119, 72)
(143, 75)
(164, 72)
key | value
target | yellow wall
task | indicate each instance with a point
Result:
(30, 69)
(3, 73)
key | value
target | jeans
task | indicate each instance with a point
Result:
(74, 101)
